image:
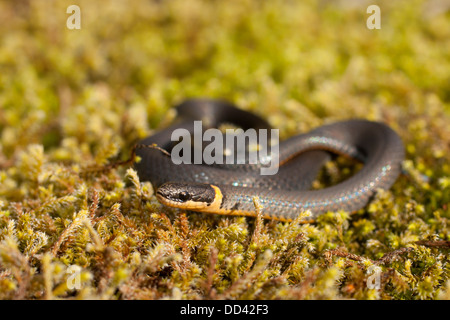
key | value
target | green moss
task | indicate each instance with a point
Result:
(72, 101)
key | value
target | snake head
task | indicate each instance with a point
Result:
(186, 195)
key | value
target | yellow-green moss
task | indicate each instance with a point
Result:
(74, 100)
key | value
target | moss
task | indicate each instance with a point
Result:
(73, 101)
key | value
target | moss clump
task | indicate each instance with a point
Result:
(73, 100)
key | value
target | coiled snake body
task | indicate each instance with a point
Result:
(226, 190)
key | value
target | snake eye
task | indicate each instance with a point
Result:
(183, 196)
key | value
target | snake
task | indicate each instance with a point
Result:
(233, 190)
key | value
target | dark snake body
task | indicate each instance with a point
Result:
(284, 195)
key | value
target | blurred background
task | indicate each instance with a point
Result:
(297, 63)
